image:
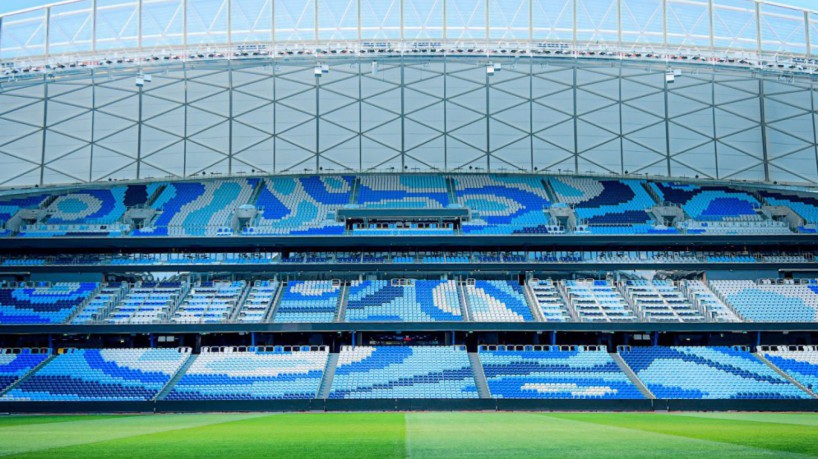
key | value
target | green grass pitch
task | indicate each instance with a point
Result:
(416, 435)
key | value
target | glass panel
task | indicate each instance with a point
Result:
(688, 23)
(734, 25)
(23, 34)
(813, 33)
(783, 30)
(338, 19)
(465, 20)
(641, 21)
(423, 19)
(380, 19)
(509, 19)
(294, 20)
(597, 21)
(117, 24)
(553, 20)
(206, 22)
(252, 21)
(162, 23)
(71, 28)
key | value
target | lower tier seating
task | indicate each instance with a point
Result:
(102, 375)
(554, 372)
(707, 373)
(403, 372)
(800, 363)
(255, 374)
(15, 363)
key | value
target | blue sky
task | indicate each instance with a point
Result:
(14, 5)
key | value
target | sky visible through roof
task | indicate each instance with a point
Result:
(7, 6)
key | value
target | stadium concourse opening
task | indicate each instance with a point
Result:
(430, 206)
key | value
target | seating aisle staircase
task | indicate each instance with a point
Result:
(27, 375)
(479, 375)
(343, 299)
(329, 375)
(175, 379)
(533, 305)
(276, 301)
(464, 303)
(632, 376)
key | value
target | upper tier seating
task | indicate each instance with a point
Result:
(148, 303)
(11, 205)
(597, 301)
(549, 300)
(402, 191)
(768, 301)
(403, 372)
(709, 203)
(103, 206)
(308, 301)
(526, 372)
(256, 374)
(661, 301)
(497, 301)
(198, 208)
(102, 375)
(16, 363)
(700, 294)
(801, 364)
(210, 302)
(503, 204)
(46, 304)
(101, 304)
(606, 203)
(803, 205)
(403, 300)
(301, 205)
(707, 373)
(258, 301)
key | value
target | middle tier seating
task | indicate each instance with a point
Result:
(258, 301)
(257, 373)
(707, 373)
(308, 301)
(44, 304)
(101, 375)
(497, 301)
(554, 372)
(770, 300)
(597, 301)
(210, 302)
(148, 303)
(403, 372)
(403, 300)
(549, 300)
(661, 301)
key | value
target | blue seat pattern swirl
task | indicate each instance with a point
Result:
(403, 372)
(707, 373)
(252, 375)
(555, 374)
(101, 375)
